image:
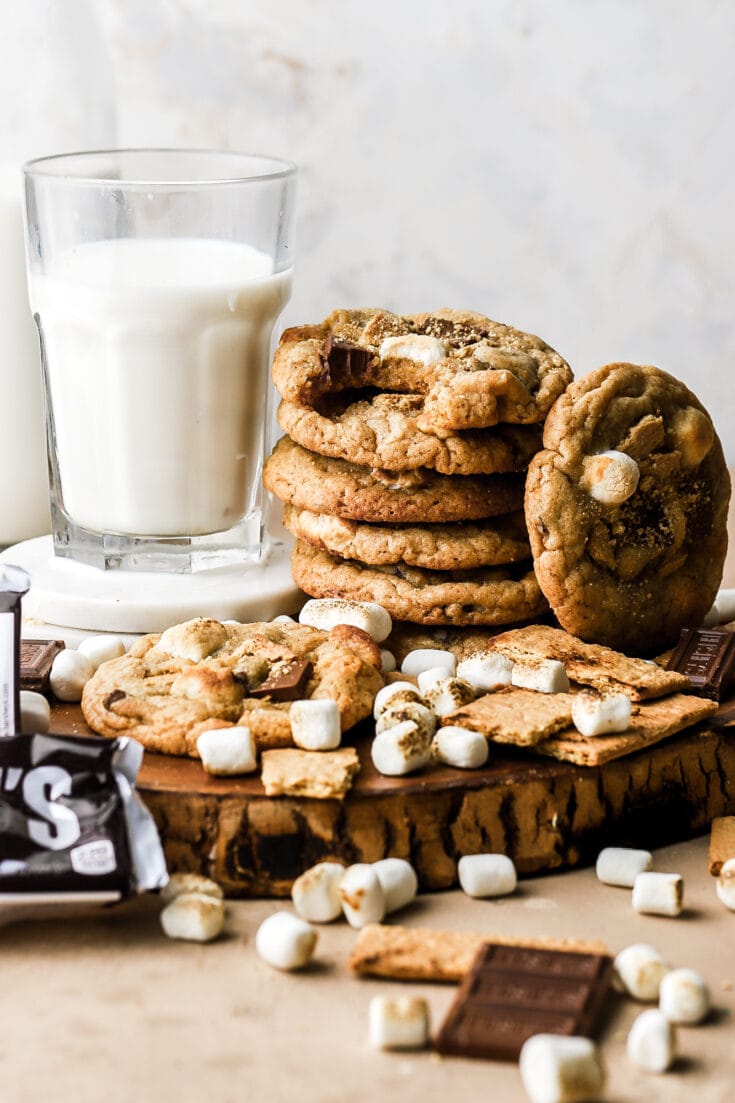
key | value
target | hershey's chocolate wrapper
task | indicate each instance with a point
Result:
(70, 819)
(14, 582)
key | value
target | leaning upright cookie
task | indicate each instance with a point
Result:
(627, 508)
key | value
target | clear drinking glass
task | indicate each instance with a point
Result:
(155, 278)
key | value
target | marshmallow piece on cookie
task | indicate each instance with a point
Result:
(620, 865)
(402, 691)
(543, 675)
(484, 875)
(399, 882)
(639, 970)
(35, 713)
(400, 749)
(315, 893)
(651, 1043)
(725, 887)
(285, 941)
(398, 1023)
(194, 640)
(693, 435)
(610, 477)
(362, 895)
(69, 675)
(601, 715)
(181, 884)
(658, 893)
(327, 612)
(428, 658)
(449, 695)
(315, 724)
(101, 649)
(407, 710)
(418, 347)
(486, 672)
(460, 747)
(684, 996)
(227, 752)
(193, 917)
(559, 1069)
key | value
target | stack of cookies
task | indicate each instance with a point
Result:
(403, 470)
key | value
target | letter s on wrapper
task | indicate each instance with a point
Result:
(71, 821)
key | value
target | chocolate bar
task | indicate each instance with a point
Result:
(71, 821)
(513, 992)
(707, 657)
(287, 684)
(14, 582)
(345, 358)
(36, 659)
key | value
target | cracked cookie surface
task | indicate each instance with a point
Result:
(170, 688)
(493, 595)
(629, 574)
(473, 372)
(318, 483)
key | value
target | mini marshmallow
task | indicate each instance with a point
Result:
(723, 610)
(725, 886)
(398, 713)
(599, 715)
(620, 865)
(610, 477)
(399, 882)
(384, 696)
(486, 672)
(285, 941)
(400, 750)
(401, 1023)
(639, 970)
(35, 713)
(387, 661)
(419, 347)
(684, 996)
(315, 724)
(227, 751)
(449, 695)
(483, 875)
(282, 618)
(101, 649)
(69, 675)
(543, 675)
(315, 893)
(658, 893)
(559, 1069)
(460, 747)
(427, 678)
(180, 884)
(328, 612)
(362, 896)
(428, 658)
(193, 917)
(651, 1043)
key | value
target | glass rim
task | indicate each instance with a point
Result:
(47, 166)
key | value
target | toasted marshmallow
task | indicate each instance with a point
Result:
(610, 477)
(362, 895)
(194, 640)
(181, 884)
(396, 693)
(427, 678)
(401, 1023)
(193, 917)
(328, 612)
(449, 695)
(418, 347)
(400, 749)
(315, 893)
(658, 893)
(558, 1069)
(399, 712)
(639, 970)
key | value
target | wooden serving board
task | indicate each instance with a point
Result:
(544, 814)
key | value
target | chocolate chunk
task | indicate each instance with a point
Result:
(513, 992)
(36, 659)
(114, 697)
(707, 657)
(345, 358)
(287, 684)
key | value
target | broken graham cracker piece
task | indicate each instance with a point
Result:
(511, 993)
(651, 722)
(422, 953)
(324, 775)
(721, 843)
(513, 715)
(589, 664)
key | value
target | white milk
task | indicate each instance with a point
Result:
(157, 359)
(24, 496)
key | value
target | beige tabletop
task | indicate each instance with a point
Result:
(107, 1009)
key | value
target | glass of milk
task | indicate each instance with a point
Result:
(155, 279)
